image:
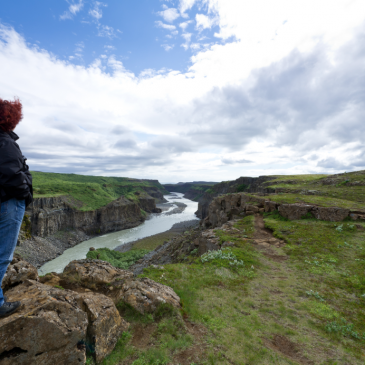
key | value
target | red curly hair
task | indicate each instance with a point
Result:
(10, 114)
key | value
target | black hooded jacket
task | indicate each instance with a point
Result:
(15, 178)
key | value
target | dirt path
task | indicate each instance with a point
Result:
(260, 231)
(274, 295)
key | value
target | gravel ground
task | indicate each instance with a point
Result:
(152, 242)
(166, 206)
(38, 250)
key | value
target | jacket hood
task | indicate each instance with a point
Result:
(12, 135)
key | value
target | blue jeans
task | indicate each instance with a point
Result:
(11, 217)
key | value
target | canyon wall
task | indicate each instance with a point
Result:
(50, 215)
(52, 225)
(246, 184)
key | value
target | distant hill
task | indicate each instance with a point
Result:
(191, 190)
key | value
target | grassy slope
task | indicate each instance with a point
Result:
(299, 304)
(329, 190)
(92, 191)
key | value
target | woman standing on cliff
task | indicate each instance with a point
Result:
(15, 191)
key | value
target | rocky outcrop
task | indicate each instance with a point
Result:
(332, 214)
(49, 328)
(294, 211)
(145, 295)
(246, 184)
(154, 192)
(227, 207)
(149, 205)
(57, 326)
(105, 324)
(18, 272)
(94, 274)
(173, 250)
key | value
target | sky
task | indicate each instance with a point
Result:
(187, 90)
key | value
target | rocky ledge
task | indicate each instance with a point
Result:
(64, 316)
(226, 207)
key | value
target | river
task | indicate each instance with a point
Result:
(157, 223)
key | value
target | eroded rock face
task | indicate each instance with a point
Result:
(17, 272)
(270, 206)
(105, 323)
(53, 325)
(294, 211)
(208, 241)
(94, 273)
(330, 214)
(145, 295)
(50, 215)
(48, 328)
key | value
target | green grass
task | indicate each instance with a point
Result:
(324, 201)
(315, 298)
(90, 192)
(332, 257)
(338, 189)
(152, 242)
(121, 260)
(299, 178)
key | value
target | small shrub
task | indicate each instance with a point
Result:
(308, 216)
(241, 188)
(275, 215)
(311, 293)
(223, 254)
(194, 252)
(121, 260)
(344, 328)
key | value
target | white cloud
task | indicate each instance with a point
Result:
(288, 97)
(187, 37)
(184, 25)
(186, 5)
(160, 24)
(169, 14)
(106, 31)
(204, 22)
(96, 12)
(73, 9)
(195, 46)
(167, 47)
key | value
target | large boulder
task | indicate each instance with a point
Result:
(294, 211)
(331, 214)
(17, 272)
(54, 325)
(48, 329)
(105, 323)
(93, 274)
(145, 295)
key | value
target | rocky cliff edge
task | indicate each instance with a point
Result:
(64, 317)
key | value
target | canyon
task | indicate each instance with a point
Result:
(54, 224)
